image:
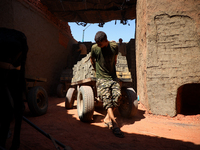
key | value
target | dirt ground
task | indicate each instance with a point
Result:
(142, 132)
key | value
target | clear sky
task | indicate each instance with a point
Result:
(114, 32)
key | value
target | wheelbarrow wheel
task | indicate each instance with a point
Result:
(85, 103)
(61, 92)
(70, 97)
(37, 100)
(129, 103)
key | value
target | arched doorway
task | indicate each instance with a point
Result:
(188, 99)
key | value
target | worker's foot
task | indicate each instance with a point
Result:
(108, 124)
(117, 132)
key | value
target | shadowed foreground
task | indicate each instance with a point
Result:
(144, 131)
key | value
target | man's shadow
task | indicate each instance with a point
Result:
(121, 120)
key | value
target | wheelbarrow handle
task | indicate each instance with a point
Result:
(47, 135)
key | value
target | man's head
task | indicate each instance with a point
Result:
(120, 40)
(101, 39)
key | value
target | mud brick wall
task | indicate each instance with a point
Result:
(49, 40)
(88, 45)
(131, 59)
(141, 51)
(74, 54)
(168, 51)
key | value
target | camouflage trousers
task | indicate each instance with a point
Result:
(109, 92)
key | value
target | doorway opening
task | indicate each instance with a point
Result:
(188, 99)
(114, 30)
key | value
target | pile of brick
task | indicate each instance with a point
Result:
(122, 69)
(84, 69)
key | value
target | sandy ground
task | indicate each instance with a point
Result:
(142, 132)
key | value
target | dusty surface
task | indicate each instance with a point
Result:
(145, 131)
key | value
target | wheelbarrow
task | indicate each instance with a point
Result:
(36, 96)
(86, 94)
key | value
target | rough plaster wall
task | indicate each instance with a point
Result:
(131, 60)
(141, 51)
(47, 55)
(173, 51)
(6, 14)
(175, 61)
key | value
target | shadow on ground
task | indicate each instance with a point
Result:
(65, 126)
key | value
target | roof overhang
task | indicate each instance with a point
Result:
(92, 11)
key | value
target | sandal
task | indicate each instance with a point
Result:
(117, 132)
(108, 124)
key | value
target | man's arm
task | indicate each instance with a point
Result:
(92, 59)
(115, 59)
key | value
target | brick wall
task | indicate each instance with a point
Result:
(131, 59)
(172, 53)
(49, 40)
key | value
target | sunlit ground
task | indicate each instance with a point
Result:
(184, 128)
(97, 115)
